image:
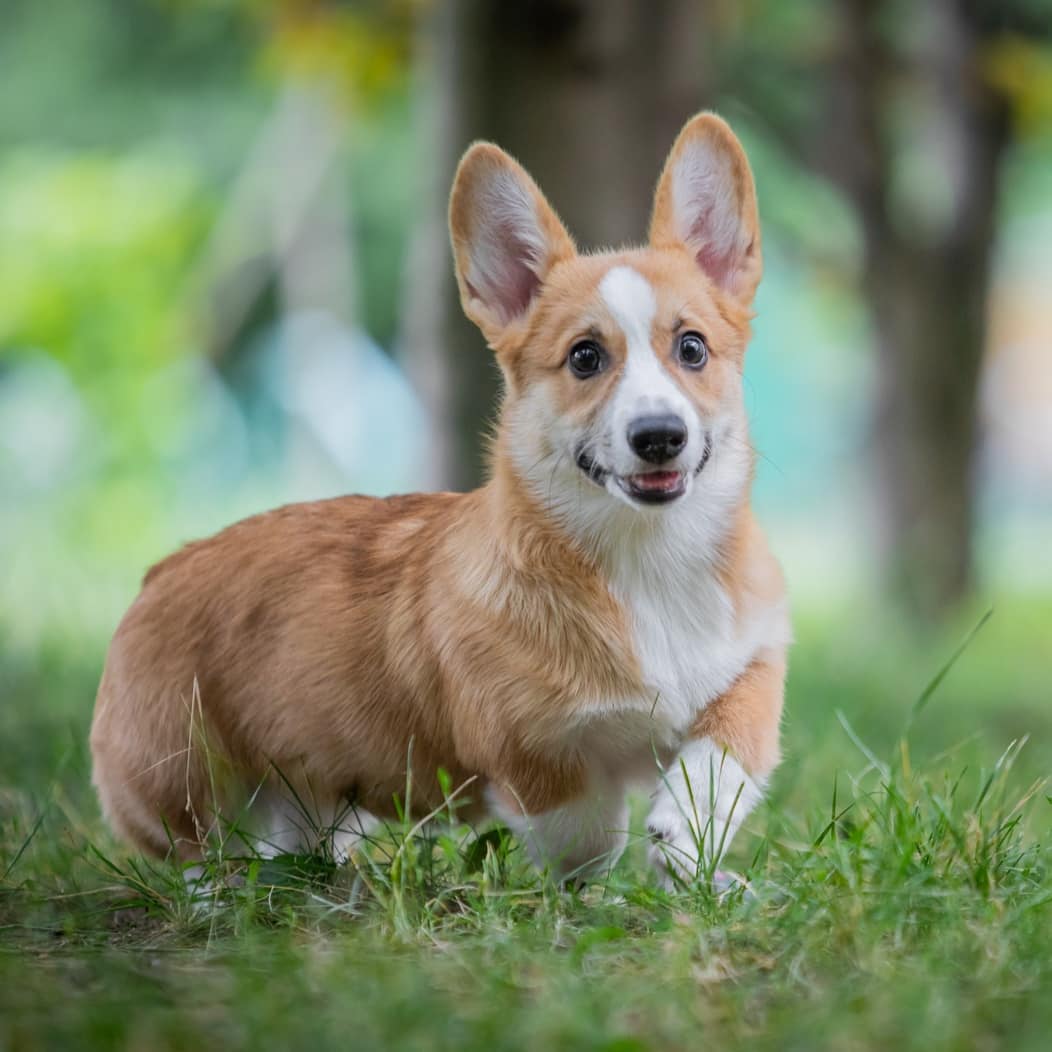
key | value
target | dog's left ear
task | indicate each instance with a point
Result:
(506, 239)
(706, 202)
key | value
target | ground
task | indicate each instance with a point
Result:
(900, 891)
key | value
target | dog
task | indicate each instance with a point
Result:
(603, 612)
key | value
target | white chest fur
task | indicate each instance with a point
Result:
(688, 641)
(691, 638)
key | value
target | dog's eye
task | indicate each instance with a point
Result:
(586, 358)
(693, 350)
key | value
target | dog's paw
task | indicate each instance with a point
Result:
(676, 850)
(724, 881)
(701, 802)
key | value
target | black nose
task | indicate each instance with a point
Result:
(657, 438)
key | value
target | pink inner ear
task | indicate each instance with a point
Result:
(714, 234)
(708, 212)
(504, 275)
(507, 246)
(721, 266)
(520, 281)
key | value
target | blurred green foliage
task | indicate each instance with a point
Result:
(102, 291)
(124, 129)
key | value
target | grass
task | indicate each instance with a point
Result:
(900, 892)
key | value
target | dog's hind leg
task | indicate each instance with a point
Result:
(582, 838)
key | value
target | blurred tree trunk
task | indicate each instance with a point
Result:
(926, 283)
(588, 95)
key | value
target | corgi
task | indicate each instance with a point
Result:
(603, 613)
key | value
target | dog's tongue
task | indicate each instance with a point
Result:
(656, 481)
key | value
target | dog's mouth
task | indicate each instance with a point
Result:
(654, 487)
(646, 487)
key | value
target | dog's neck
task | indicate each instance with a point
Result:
(571, 514)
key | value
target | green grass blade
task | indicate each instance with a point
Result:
(933, 684)
(25, 844)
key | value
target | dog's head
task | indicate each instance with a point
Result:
(623, 370)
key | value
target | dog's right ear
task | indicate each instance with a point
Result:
(506, 239)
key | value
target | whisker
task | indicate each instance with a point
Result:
(755, 450)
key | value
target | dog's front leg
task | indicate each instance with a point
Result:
(719, 775)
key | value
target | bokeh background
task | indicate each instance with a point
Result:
(225, 285)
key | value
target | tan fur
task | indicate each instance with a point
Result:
(331, 641)
(331, 644)
(746, 719)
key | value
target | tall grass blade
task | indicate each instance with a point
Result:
(933, 684)
(25, 844)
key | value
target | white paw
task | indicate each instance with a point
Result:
(702, 800)
(576, 841)
(350, 832)
(676, 844)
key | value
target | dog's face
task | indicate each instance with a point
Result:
(623, 369)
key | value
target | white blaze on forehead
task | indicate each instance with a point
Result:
(645, 384)
(630, 299)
